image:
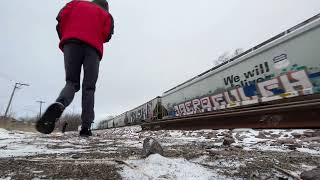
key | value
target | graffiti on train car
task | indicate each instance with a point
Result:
(290, 84)
(258, 74)
(141, 113)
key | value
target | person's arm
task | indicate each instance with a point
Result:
(109, 28)
(61, 15)
(58, 24)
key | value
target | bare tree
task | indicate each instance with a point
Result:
(222, 58)
(237, 52)
(32, 119)
(226, 56)
(73, 120)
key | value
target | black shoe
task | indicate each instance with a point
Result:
(85, 132)
(46, 123)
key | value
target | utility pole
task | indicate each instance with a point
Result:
(40, 102)
(16, 86)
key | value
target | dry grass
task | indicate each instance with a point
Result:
(28, 124)
(13, 124)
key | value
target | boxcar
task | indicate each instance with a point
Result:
(110, 123)
(145, 112)
(120, 120)
(284, 66)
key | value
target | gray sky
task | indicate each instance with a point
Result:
(156, 45)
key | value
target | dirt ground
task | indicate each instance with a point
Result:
(104, 155)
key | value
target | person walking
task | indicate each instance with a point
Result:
(83, 27)
(64, 127)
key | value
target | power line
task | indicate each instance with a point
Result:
(16, 86)
(40, 102)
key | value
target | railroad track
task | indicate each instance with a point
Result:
(299, 112)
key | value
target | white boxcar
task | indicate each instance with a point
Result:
(120, 120)
(284, 66)
(110, 123)
(104, 125)
(143, 113)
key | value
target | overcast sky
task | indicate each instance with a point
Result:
(156, 45)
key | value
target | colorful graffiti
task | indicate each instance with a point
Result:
(140, 114)
(291, 84)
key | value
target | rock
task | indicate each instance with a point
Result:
(189, 134)
(235, 148)
(274, 136)
(151, 146)
(184, 133)
(75, 156)
(275, 144)
(237, 135)
(314, 174)
(3, 147)
(296, 135)
(294, 146)
(200, 134)
(286, 141)
(210, 135)
(255, 174)
(227, 141)
(314, 146)
(228, 135)
(316, 133)
(311, 139)
(282, 178)
(308, 133)
(267, 133)
(221, 134)
(242, 137)
(261, 135)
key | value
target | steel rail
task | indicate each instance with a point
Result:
(296, 113)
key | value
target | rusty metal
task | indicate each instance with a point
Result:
(300, 112)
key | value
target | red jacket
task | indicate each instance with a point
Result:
(85, 21)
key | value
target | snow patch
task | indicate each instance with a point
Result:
(5, 178)
(14, 143)
(159, 167)
(310, 151)
(3, 131)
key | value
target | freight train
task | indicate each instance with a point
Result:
(284, 66)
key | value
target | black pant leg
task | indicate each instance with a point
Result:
(73, 59)
(91, 70)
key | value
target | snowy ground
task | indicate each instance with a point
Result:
(202, 154)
